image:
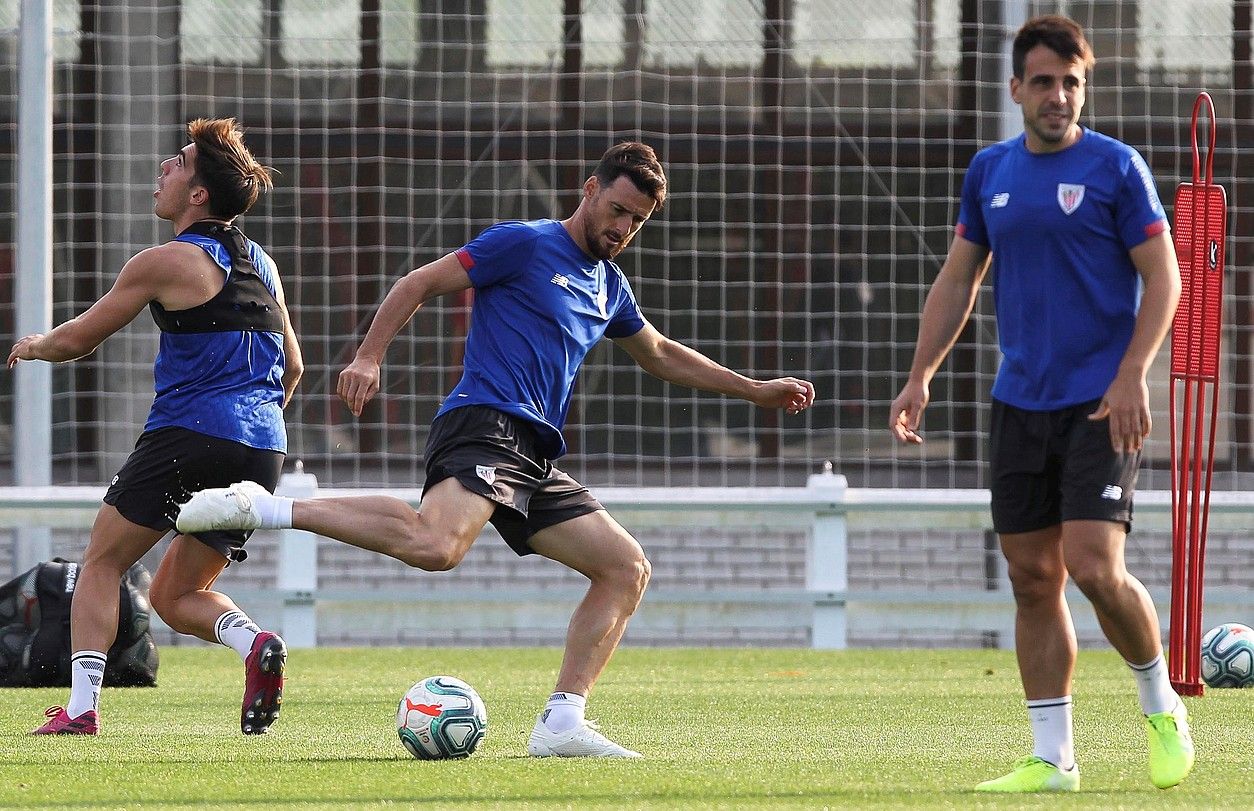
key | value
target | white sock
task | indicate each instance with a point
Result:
(1051, 731)
(87, 669)
(275, 511)
(235, 630)
(564, 711)
(1154, 685)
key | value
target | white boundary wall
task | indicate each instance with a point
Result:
(825, 513)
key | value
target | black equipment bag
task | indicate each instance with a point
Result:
(35, 629)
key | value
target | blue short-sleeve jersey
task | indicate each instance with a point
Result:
(540, 304)
(1060, 226)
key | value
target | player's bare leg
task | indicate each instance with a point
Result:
(1045, 645)
(1094, 551)
(182, 595)
(1038, 576)
(182, 588)
(1094, 554)
(598, 547)
(115, 545)
(434, 538)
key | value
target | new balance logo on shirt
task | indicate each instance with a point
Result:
(1000, 200)
(602, 295)
(1113, 492)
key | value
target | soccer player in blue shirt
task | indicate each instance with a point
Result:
(545, 293)
(1085, 284)
(227, 365)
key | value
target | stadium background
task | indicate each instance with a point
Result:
(815, 150)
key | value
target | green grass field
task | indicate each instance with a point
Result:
(718, 728)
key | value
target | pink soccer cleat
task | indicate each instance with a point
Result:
(60, 723)
(263, 683)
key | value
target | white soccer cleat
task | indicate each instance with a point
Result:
(221, 508)
(582, 741)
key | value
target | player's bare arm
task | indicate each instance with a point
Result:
(1126, 402)
(293, 361)
(675, 363)
(948, 306)
(359, 382)
(144, 278)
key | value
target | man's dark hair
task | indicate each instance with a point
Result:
(1061, 35)
(637, 161)
(226, 168)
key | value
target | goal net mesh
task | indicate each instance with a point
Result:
(815, 151)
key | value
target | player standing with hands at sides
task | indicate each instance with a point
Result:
(227, 365)
(545, 292)
(1085, 285)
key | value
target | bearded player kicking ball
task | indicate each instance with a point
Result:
(545, 293)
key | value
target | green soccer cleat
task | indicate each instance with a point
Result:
(1030, 774)
(1170, 746)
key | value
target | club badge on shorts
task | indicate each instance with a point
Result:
(488, 474)
(1070, 195)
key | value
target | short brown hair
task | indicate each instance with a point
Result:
(1060, 34)
(637, 161)
(226, 168)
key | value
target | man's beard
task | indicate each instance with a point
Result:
(595, 246)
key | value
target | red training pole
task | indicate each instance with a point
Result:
(1200, 235)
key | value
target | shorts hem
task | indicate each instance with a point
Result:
(577, 511)
(113, 497)
(1123, 518)
(475, 485)
(1002, 529)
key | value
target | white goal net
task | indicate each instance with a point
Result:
(815, 150)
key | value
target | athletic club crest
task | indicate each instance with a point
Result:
(1070, 195)
(488, 474)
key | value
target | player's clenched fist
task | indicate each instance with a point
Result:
(802, 396)
(789, 393)
(358, 384)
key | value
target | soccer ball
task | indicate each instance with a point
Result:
(440, 718)
(1228, 656)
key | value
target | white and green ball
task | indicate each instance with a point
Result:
(1228, 656)
(440, 718)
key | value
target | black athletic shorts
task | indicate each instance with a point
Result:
(1053, 466)
(169, 464)
(494, 454)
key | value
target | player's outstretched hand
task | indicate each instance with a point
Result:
(358, 384)
(790, 393)
(23, 349)
(907, 411)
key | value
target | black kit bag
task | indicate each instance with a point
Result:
(35, 629)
